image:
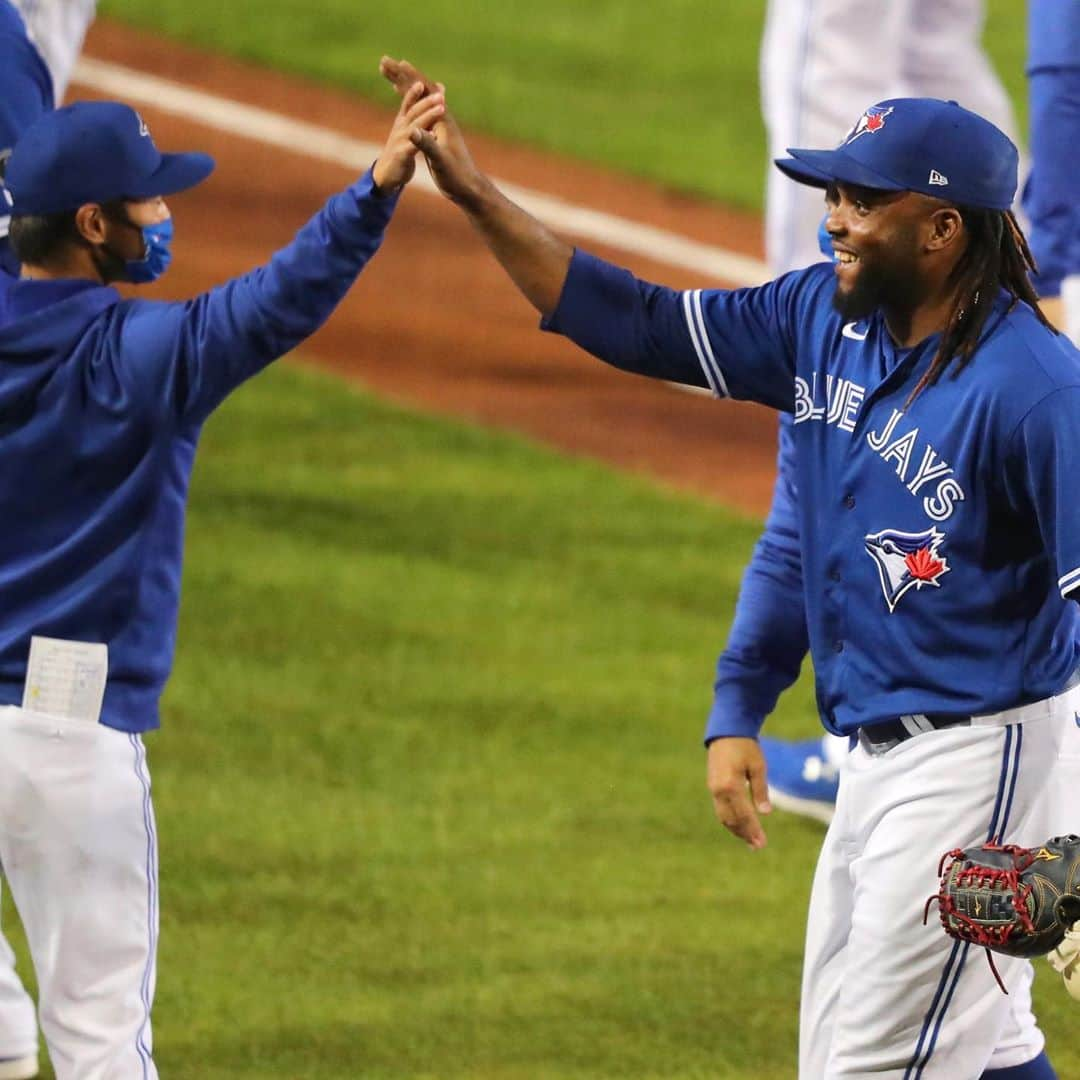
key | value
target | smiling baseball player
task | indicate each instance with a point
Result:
(101, 405)
(937, 423)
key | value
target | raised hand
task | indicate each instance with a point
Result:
(442, 144)
(420, 109)
(535, 258)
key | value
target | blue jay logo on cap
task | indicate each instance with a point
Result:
(871, 121)
(906, 560)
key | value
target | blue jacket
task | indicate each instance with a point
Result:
(101, 403)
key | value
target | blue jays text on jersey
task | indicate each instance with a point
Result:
(938, 539)
(101, 405)
(895, 442)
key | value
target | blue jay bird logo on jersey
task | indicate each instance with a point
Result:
(906, 560)
(872, 120)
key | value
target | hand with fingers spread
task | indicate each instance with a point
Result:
(420, 109)
(736, 779)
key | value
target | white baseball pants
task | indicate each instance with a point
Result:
(78, 848)
(883, 995)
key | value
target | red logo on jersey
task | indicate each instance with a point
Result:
(922, 565)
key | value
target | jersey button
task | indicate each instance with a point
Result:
(849, 501)
(838, 646)
(834, 575)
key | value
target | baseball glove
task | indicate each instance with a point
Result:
(1012, 900)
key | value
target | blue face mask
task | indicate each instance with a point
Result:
(157, 242)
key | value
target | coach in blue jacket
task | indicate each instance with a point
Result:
(101, 404)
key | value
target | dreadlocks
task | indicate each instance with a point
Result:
(997, 257)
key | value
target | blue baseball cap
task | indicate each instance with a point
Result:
(917, 144)
(94, 152)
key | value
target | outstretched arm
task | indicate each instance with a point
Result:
(181, 360)
(739, 343)
(535, 258)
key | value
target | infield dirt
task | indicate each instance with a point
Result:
(433, 321)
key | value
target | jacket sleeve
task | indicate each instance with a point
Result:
(768, 638)
(182, 360)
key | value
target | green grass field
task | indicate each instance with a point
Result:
(429, 789)
(671, 95)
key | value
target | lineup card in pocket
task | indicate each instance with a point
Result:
(66, 678)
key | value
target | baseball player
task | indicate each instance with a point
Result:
(101, 405)
(58, 28)
(26, 92)
(803, 775)
(818, 57)
(936, 420)
(1052, 194)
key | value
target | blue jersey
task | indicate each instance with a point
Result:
(938, 541)
(101, 402)
(1052, 192)
(768, 639)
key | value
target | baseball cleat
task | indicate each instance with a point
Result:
(21, 1068)
(801, 778)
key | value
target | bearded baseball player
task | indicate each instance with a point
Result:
(936, 422)
(916, 48)
(906, 48)
(101, 405)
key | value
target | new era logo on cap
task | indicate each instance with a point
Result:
(937, 179)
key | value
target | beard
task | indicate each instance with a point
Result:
(890, 282)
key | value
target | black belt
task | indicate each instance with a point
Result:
(881, 737)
